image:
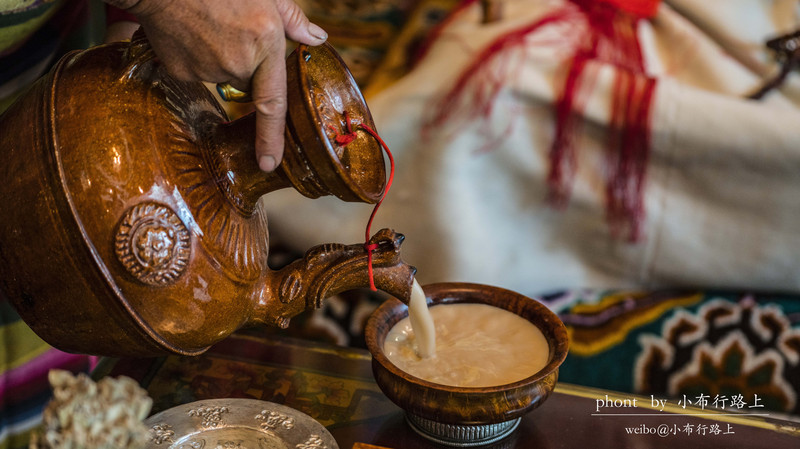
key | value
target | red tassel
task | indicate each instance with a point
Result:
(483, 84)
(639, 8)
(613, 41)
(610, 38)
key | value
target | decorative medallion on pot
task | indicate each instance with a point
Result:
(153, 244)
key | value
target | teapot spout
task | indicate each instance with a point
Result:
(329, 269)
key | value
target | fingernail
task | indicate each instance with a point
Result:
(267, 163)
(317, 32)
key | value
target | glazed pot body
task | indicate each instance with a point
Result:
(48, 271)
(99, 215)
(133, 223)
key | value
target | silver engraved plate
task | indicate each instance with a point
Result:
(236, 424)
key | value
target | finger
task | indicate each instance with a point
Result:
(269, 99)
(297, 25)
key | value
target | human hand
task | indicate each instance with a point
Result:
(241, 42)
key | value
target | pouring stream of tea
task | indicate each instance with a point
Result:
(421, 322)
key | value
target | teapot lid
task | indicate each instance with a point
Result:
(325, 91)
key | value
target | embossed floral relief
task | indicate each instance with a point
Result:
(211, 416)
(273, 420)
(313, 442)
(152, 243)
(161, 434)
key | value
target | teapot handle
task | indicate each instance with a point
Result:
(329, 269)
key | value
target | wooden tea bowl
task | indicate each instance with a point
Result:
(466, 416)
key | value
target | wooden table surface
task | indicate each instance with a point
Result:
(334, 385)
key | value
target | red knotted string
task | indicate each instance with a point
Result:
(343, 139)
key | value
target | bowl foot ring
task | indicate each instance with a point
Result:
(457, 435)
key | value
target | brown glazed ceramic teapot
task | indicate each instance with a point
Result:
(132, 224)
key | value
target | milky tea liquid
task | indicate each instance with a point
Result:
(465, 345)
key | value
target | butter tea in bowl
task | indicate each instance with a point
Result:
(496, 358)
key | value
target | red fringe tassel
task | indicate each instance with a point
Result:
(611, 38)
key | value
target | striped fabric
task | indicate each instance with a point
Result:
(33, 35)
(25, 361)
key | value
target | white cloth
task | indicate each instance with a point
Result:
(722, 192)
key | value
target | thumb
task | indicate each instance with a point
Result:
(297, 26)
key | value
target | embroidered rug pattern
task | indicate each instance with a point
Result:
(720, 347)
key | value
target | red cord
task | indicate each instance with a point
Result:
(344, 140)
